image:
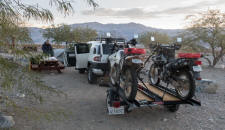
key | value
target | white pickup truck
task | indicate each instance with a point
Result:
(91, 57)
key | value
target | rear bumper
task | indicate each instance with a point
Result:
(99, 68)
(98, 72)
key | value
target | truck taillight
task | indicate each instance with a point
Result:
(198, 62)
(199, 78)
(97, 58)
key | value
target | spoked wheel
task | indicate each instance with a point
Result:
(128, 82)
(185, 85)
(112, 76)
(154, 75)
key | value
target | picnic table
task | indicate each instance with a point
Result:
(48, 64)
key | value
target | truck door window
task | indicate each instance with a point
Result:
(99, 50)
(94, 51)
(82, 49)
(107, 48)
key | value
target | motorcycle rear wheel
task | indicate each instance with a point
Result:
(153, 75)
(129, 83)
(185, 87)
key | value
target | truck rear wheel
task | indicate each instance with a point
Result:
(92, 78)
(81, 71)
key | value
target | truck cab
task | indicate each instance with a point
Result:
(98, 60)
(91, 57)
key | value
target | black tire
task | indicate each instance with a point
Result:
(107, 102)
(150, 76)
(134, 87)
(81, 71)
(110, 75)
(126, 109)
(92, 78)
(173, 108)
(192, 86)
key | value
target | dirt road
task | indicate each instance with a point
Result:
(88, 111)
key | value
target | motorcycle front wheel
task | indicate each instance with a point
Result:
(112, 75)
(153, 75)
(185, 85)
(129, 83)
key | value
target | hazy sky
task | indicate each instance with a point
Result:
(168, 14)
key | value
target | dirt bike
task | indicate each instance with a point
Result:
(123, 65)
(180, 72)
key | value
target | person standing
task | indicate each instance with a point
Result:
(47, 48)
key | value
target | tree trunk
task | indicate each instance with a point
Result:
(13, 42)
(215, 62)
(209, 62)
(217, 59)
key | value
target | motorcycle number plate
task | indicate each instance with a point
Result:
(137, 61)
(197, 68)
(116, 111)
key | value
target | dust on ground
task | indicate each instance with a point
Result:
(87, 108)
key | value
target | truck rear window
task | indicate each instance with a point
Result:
(107, 48)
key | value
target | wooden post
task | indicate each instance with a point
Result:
(13, 41)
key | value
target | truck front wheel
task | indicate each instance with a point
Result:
(92, 78)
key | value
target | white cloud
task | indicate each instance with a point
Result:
(156, 13)
(145, 13)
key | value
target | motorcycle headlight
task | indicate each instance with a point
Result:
(137, 61)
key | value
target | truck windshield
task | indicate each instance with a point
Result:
(107, 48)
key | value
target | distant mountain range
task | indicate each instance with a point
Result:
(121, 30)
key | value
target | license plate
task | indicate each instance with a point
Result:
(197, 68)
(116, 111)
(137, 61)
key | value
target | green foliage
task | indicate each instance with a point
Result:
(145, 38)
(37, 59)
(83, 34)
(12, 32)
(65, 33)
(58, 34)
(208, 28)
(12, 12)
(16, 9)
(16, 79)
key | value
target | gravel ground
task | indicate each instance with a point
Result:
(86, 103)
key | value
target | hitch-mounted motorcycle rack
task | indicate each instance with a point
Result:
(148, 96)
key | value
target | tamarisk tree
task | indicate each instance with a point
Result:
(15, 79)
(208, 28)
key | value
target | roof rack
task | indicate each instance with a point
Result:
(109, 40)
